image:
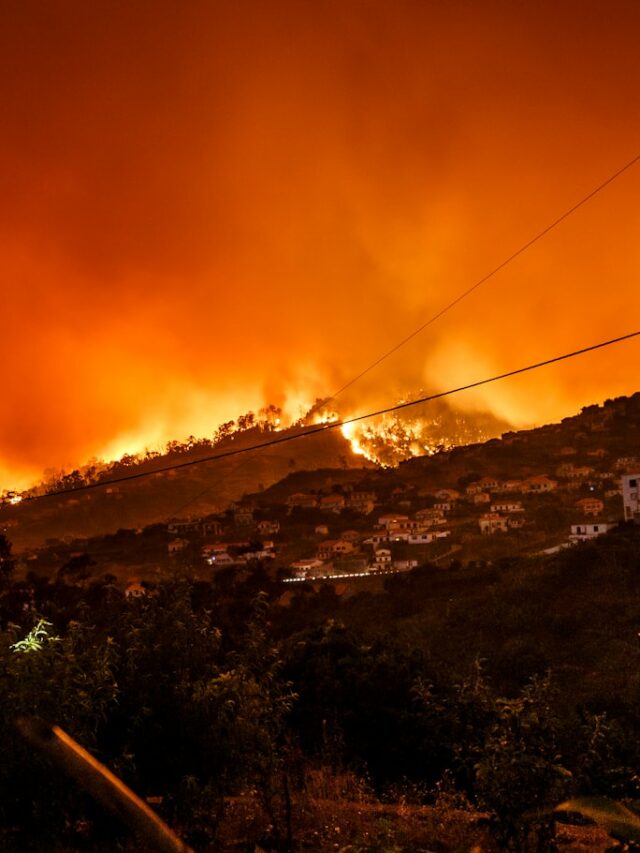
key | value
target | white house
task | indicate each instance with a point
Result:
(473, 489)
(507, 506)
(263, 553)
(626, 463)
(582, 532)
(540, 483)
(404, 565)
(332, 503)
(383, 538)
(382, 559)
(214, 548)
(489, 484)
(402, 524)
(427, 538)
(302, 568)
(344, 546)
(363, 502)
(631, 496)
(334, 547)
(222, 559)
(512, 486)
(573, 472)
(409, 538)
(393, 521)
(492, 522)
(427, 517)
(590, 506)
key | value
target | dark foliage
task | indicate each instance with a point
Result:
(199, 691)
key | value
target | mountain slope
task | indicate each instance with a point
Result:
(194, 490)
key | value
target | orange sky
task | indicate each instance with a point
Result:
(209, 206)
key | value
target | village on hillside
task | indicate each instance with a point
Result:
(530, 492)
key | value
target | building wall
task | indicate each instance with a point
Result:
(631, 496)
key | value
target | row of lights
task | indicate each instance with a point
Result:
(337, 577)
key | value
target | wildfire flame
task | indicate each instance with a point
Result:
(385, 440)
(350, 432)
(390, 439)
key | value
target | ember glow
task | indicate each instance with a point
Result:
(353, 436)
(213, 207)
(390, 439)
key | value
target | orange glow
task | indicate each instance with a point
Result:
(423, 431)
(212, 207)
(350, 432)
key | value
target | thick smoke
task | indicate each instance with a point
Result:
(210, 207)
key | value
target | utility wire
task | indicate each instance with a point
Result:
(336, 424)
(484, 279)
(181, 508)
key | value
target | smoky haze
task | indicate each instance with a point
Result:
(212, 207)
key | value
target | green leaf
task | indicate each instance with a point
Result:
(616, 819)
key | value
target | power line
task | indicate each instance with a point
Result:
(181, 508)
(336, 424)
(485, 278)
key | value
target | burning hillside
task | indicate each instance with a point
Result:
(385, 440)
(390, 439)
